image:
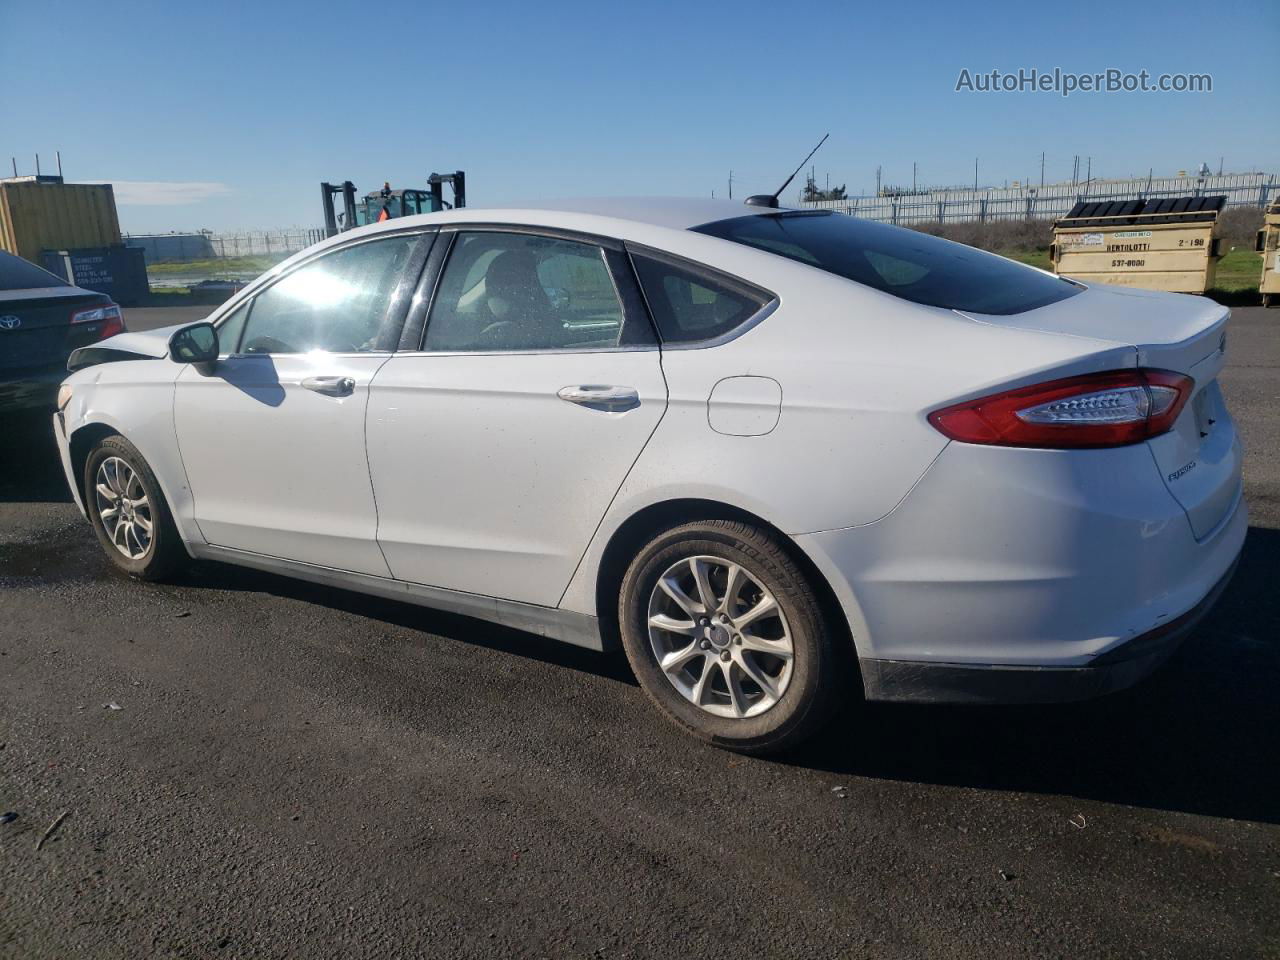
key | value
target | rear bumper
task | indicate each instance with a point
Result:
(918, 682)
(1025, 576)
(31, 389)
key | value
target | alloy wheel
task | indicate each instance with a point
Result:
(720, 637)
(123, 507)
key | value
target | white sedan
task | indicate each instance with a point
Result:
(787, 458)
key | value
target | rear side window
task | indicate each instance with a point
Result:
(689, 305)
(19, 274)
(505, 291)
(905, 263)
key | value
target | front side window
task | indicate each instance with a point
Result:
(689, 305)
(511, 291)
(338, 303)
(230, 328)
(905, 263)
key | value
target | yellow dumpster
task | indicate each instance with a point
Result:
(1269, 246)
(1169, 243)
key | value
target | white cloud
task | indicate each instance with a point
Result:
(162, 193)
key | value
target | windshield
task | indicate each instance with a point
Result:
(901, 262)
(371, 209)
(19, 274)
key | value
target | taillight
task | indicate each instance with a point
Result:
(1094, 410)
(108, 314)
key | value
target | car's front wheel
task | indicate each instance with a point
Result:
(128, 511)
(726, 635)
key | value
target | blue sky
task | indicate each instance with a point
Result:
(227, 115)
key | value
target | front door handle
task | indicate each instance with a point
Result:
(330, 386)
(598, 397)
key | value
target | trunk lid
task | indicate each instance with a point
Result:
(1199, 460)
(35, 327)
(1171, 331)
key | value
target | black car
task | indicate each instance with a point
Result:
(42, 319)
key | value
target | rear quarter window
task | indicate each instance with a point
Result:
(905, 263)
(690, 304)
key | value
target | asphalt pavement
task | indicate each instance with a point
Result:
(240, 765)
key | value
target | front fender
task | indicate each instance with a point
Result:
(135, 400)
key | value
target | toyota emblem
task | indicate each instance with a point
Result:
(10, 322)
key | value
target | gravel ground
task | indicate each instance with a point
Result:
(253, 767)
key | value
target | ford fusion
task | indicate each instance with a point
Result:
(785, 458)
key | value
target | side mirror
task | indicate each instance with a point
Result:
(196, 344)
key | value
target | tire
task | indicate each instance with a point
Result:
(741, 719)
(162, 554)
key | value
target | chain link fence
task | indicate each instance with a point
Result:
(205, 245)
(1047, 202)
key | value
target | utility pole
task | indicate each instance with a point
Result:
(1220, 159)
(975, 174)
(730, 184)
(913, 177)
(59, 164)
(15, 173)
(1041, 169)
(1088, 171)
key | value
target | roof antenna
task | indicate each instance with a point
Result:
(771, 199)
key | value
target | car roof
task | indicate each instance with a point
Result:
(679, 213)
(656, 221)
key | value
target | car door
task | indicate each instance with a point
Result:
(497, 445)
(272, 437)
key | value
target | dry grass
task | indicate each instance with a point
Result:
(1239, 226)
(999, 236)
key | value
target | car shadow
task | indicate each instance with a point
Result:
(30, 470)
(411, 616)
(1201, 736)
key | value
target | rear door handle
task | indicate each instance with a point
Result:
(599, 397)
(330, 386)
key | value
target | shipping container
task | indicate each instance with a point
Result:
(119, 272)
(47, 214)
(1167, 244)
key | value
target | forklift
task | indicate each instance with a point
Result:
(386, 204)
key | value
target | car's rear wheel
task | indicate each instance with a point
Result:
(727, 636)
(128, 511)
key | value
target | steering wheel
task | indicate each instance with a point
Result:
(494, 327)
